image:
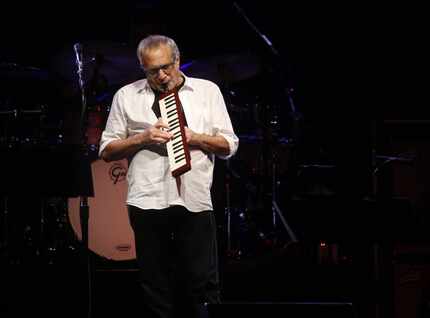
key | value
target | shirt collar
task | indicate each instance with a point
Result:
(144, 87)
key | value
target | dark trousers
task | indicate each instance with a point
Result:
(177, 256)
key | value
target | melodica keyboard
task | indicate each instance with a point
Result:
(177, 148)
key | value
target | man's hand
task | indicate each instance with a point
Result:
(190, 136)
(124, 148)
(157, 134)
(214, 144)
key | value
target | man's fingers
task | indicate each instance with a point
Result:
(160, 136)
(160, 124)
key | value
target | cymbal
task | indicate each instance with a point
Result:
(12, 71)
(224, 69)
(36, 82)
(105, 63)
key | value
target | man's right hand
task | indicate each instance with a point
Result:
(157, 134)
(124, 148)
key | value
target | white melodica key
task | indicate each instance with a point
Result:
(177, 147)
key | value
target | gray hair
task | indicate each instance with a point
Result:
(154, 41)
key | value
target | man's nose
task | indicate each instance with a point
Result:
(161, 74)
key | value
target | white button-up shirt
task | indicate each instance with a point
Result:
(150, 182)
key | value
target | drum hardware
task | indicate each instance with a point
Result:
(96, 120)
(245, 226)
(272, 129)
(26, 92)
(83, 206)
(98, 68)
(29, 126)
(32, 232)
(227, 209)
(111, 234)
(253, 220)
(15, 71)
(267, 171)
(4, 243)
(104, 65)
(56, 237)
(276, 211)
(102, 68)
(13, 112)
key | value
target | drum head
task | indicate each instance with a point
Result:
(109, 232)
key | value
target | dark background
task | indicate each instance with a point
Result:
(345, 63)
(358, 75)
(342, 61)
(328, 52)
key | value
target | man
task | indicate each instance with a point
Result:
(172, 218)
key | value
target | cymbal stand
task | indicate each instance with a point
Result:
(4, 239)
(84, 207)
(228, 206)
(232, 251)
(4, 244)
(276, 211)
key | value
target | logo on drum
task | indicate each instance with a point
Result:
(117, 172)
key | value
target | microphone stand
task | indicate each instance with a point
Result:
(84, 207)
(276, 211)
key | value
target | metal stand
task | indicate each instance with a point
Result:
(276, 211)
(228, 207)
(228, 210)
(5, 223)
(4, 138)
(296, 116)
(84, 207)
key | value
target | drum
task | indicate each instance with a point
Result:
(96, 122)
(109, 232)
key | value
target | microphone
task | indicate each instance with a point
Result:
(78, 51)
(79, 63)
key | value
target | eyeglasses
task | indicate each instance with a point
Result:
(154, 71)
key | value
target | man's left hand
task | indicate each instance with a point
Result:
(190, 136)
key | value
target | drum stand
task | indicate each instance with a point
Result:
(4, 239)
(228, 207)
(4, 244)
(84, 216)
(276, 211)
(230, 173)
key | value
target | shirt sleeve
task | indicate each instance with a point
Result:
(116, 125)
(222, 123)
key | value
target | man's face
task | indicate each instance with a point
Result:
(161, 70)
